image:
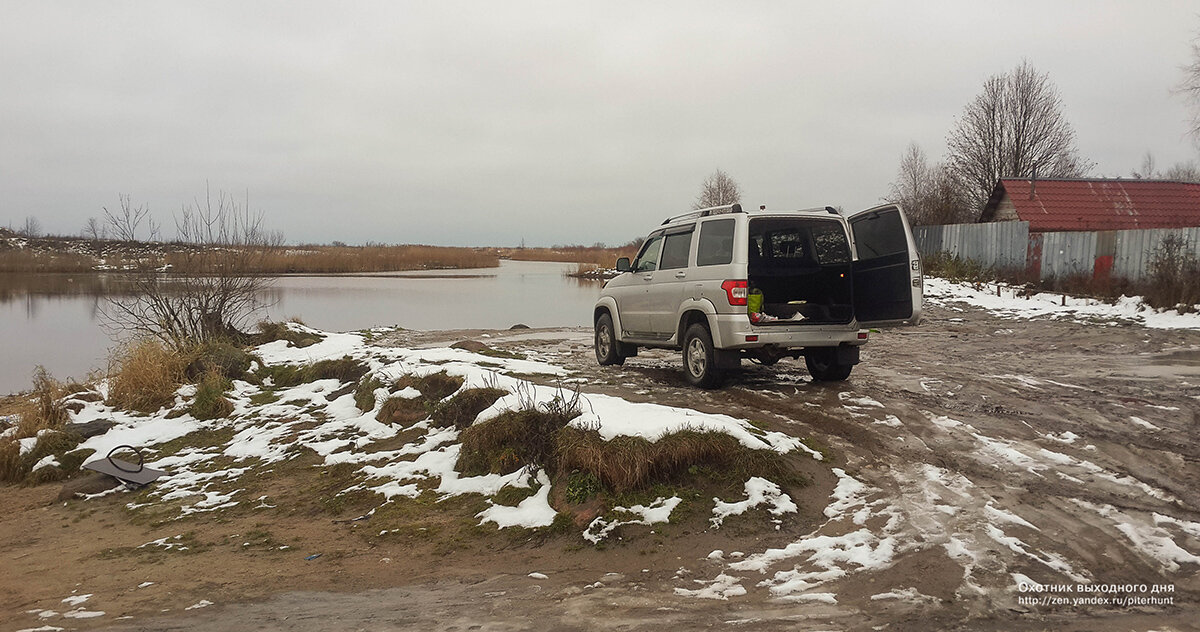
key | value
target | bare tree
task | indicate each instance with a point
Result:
(211, 285)
(1191, 87)
(1183, 172)
(718, 189)
(94, 229)
(927, 193)
(1147, 170)
(31, 228)
(1179, 172)
(126, 223)
(1015, 128)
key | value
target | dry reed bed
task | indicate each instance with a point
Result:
(298, 260)
(599, 257)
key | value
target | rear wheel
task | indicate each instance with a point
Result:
(606, 342)
(700, 358)
(824, 367)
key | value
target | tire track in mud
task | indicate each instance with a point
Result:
(1012, 474)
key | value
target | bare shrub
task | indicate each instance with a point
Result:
(213, 284)
(146, 376)
(1174, 275)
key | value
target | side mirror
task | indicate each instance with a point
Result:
(623, 264)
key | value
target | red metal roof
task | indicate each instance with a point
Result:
(1099, 204)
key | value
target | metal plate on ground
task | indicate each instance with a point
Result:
(125, 471)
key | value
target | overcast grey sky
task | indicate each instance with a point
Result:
(491, 122)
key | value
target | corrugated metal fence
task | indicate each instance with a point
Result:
(1010, 246)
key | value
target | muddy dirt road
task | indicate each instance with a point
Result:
(980, 471)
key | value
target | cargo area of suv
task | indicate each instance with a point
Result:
(802, 270)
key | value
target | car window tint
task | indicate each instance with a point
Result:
(830, 242)
(716, 243)
(879, 234)
(647, 261)
(675, 251)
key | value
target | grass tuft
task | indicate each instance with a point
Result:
(210, 401)
(514, 439)
(345, 369)
(461, 410)
(225, 358)
(437, 386)
(146, 377)
(403, 410)
(271, 331)
(364, 393)
(627, 463)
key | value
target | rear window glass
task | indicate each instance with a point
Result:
(675, 251)
(716, 243)
(879, 234)
(798, 242)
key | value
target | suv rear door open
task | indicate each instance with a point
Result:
(887, 271)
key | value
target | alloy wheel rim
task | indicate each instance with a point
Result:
(603, 342)
(696, 357)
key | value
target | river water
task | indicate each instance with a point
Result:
(55, 321)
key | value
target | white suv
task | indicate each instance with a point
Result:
(722, 284)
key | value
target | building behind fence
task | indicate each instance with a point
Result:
(1010, 246)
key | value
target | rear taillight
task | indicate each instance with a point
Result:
(735, 291)
(862, 335)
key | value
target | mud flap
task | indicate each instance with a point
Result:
(847, 354)
(727, 359)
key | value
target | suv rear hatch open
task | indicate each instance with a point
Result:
(804, 271)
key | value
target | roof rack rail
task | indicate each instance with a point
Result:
(705, 212)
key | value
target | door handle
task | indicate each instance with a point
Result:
(680, 274)
(648, 276)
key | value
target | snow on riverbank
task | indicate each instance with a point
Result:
(1006, 301)
(272, 424)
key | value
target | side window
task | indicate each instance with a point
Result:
(830, 241)
(647, 260)
(675, 251)
(716, 243)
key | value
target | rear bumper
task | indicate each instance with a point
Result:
(730, 331)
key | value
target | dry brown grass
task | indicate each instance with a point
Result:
(600, 257)
(145, 376)
(512, 440)
(629, 463)
(346, 259)
(403, 410)
(298, 260)
(40, 409)
(32, 262)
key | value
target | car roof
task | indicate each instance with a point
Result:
(735, 209)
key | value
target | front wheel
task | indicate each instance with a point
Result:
(700, 358)
(824, 367)
(606, 342)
